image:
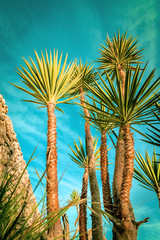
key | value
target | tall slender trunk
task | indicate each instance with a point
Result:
(127, 174)
(120, 155)
(119, 166)
(107, 199)
(97, 229)
(51, 166)
(83, 208)
(66, 227)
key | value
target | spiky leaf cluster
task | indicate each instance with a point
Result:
(47, 80)
(135, 106)
(79, 154)
(118, 52)
(147, 171)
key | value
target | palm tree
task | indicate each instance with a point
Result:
(79, 156)
(147, 172)
(117, 54)
(49, 84)
(87, 77)
(131, 109)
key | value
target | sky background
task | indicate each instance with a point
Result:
(77, 28)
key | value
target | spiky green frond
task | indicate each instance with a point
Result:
(74, 196)
(154, 136)
(135, 106)
(47, 80)
(79, 154)
(97, 118)
(147, 171)
(87, 75)
(120, 50)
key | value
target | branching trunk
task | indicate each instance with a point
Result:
(107, 200)
(51, 166)
(83, 208)
(97, 230)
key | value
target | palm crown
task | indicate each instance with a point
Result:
(135, 106)
(119, 52)
(87, 76)
(79, 155)
(47, 80)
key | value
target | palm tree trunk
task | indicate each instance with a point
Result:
(120, 152)
(51, 166)
(66, 230)
(83, 208)
(119, 166)
(107, 200)
(127, 174)
(97, 230)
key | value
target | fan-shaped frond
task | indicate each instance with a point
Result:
(74, 196)
(47, 80)
(154, 136)
(147, 171)
(134, 107)
(119, 51)
(79, 154)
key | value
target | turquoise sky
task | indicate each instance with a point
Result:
(76, 27)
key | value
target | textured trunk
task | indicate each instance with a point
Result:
(83, 208)
(120, 150)
(119, 166)
(97, 229)
(52, 180)
(107, 200)
(127, 176)
(66, 230)
(122, 75)
(130, 234)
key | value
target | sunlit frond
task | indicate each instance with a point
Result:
(120, 50)
(147, 171)
(136, 105)
(79, 154)
(48, 80)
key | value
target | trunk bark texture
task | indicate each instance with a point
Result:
(127, 175)
(52, 180)
(66, 228)
(119, 166)
(107, 199)
(120, 150)
(97, 229)
(83, 208)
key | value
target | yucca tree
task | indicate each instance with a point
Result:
(87, 77)
(49, 83)
(133, 108)
(147, 172)
(79, 156)
(117, 53)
